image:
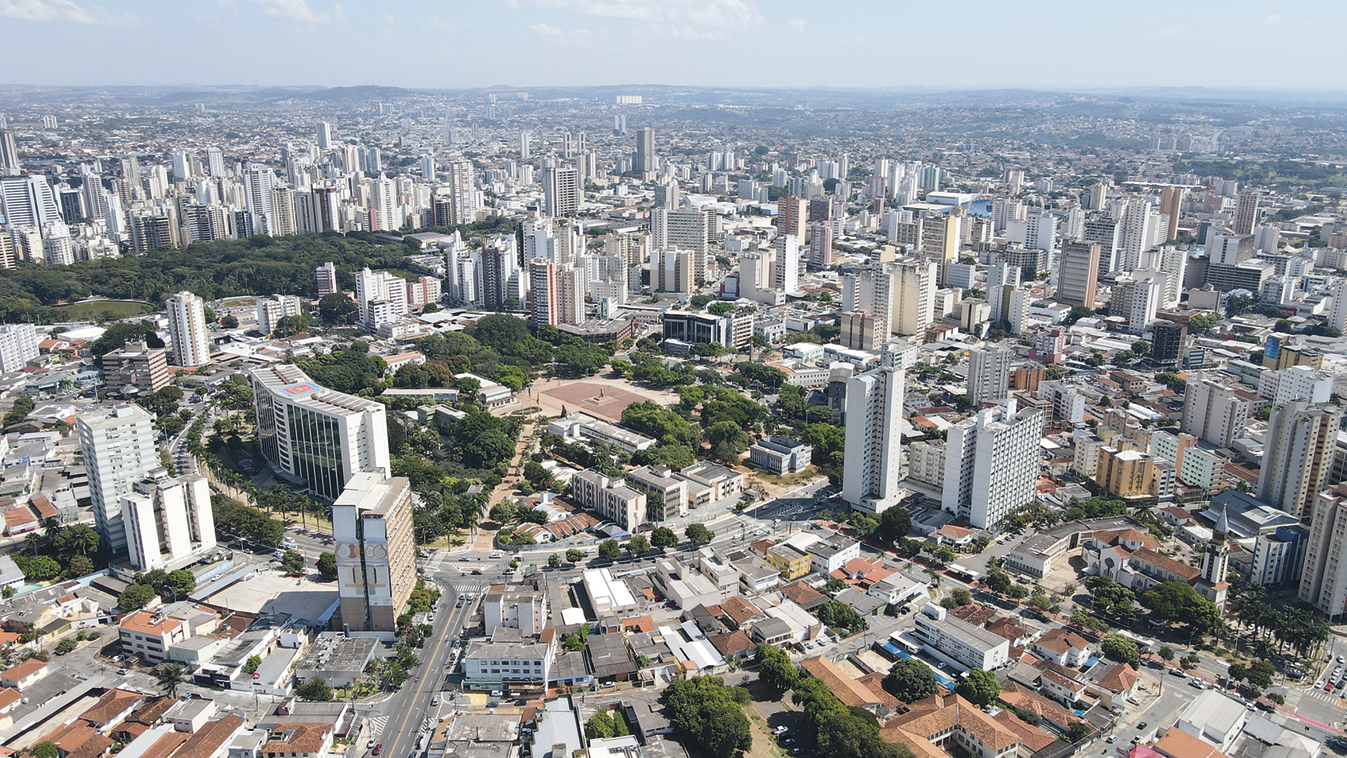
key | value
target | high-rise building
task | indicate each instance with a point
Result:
(1215, 412)
(544, 294)
(119, 450)
(319, 435)
(1104, 230)
(1125, 473)
(1169, 343)
(136, 365)
(671, 271)
(498, 264)
(187, 329)
(375, 550)
(327, 279)
(691, 228)
(645, 150)
(1246, 211)
(1138, 228)
(28, 201)
(381, 297)
(860, 331)
(786, 271)
(463, 199)
(18, 345)
(561, 191)
(572, 284)
(874, 403)
(1137, 297)
(215, 162)
(1297, 456)
(168, 521)
(989, 374)
(1078, 273)
(1323, 580)
(991, 464)
(324, 135)
(820, 245)
(870, 291)
(790, 217)
(9, 154)
(270, 310)
(1337, 317)
(914, 284)
(1171, 207)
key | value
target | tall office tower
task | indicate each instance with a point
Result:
(498, 263)
(462, 193)
(1246, 211)
(692, 228)
(572, 284)
(1298, 456)
(1337, 317)
(561, 191)
(71, 202)
(524, 138)
(645, 150)
(1138, 299)
(319, 435)
(1215, 412)
(1229, 249)
(215, 162)
(381, 297)
(1169, 343)
(667, 195)
(790, 217)
(1171, 206)
(28, 201)
(1138, 226)
(989, 374)
(820, 245)
(9, 154)
(1078, 273)
(270, 310)
(18, 344)
(671, 271)
(1323, 579)
(1104, 230)
(327, 279)
(168, 521)
(324, 136)
(991, 464)
(375, 550)
(187, 329)
(119, 450)
(283, 212)
(543, 292)
(786, 272)
(914, 296)
(874, 403)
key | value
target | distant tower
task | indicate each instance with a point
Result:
(324, 135)
(1215, 560)
(645, 150)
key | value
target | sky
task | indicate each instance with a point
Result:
(453, 44)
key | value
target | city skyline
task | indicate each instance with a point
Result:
(292, 42)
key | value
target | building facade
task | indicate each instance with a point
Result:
(119, 450)
(375, 550)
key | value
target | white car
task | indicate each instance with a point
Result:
(1319, 685)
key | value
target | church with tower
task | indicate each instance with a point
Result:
(1215, 562)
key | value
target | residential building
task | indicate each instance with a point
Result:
(187, 330)
(914, 285)
(991, 464)
(18, 345)
(1298, 456)
(1215, 412)
(507, 662)
(874, 403)
(989, 374)
(1125, 473)
(316, 434)
(136, 368)
(381, 297)
(326, 275)
(168, 521)
(1323, 580)
(1079, 272)
(271, 310)
(375, 550)
(150, 634)
(959, 643)
(561, 191)
(610, 498)
(119, 450)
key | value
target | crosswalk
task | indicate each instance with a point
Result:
(376, 726)
(1318, 693)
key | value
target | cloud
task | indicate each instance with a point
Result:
(388, 19)
(1171, 31)
(1272, 19)
(724, 14)
(442, 26)
(797, 24)
(552, 31)
(58, 10)
(299, 10)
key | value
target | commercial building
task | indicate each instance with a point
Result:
(1298, 456)
(18, 345)
(695, 327)
(1125, 473)
(187, 330)
(583, 427)
(991, 464)
(119, 450)
(1215, 412)
(168, 521)
(150, 634)
(1079, 273)
(522, 610)
(958, 642)
(1323, 580)
(270, 310)
(136, 368)
(326, 275)
(874, 404)
(507, 662)
(1169, 343)
(318, 435)
(780, 455)
(610, 498)
(375, 550)
(989, 374)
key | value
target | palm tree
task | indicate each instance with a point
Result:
(33, 541)
(169, 677)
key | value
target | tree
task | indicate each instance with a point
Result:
(252, 663)
(318, 690)
(134, 598)
(1119, 648)
(663, 537)
(638, 545)
(775, 669)
(292, 561)
(45, 749)
(327, 566)
(180, 583)
(1078, 731)
(710, 714)
(39, 568)
(910, 680)
(169, 678)
(574, 555)
(609, 550)
(1167, 652)
(894, 524)
(66, 646)
(78, 565)
(503, 513)
(698, 533)
(554, 561)
(600, 725)
(962, 597)
(337, 308)
(979, 687)
(1237, 671)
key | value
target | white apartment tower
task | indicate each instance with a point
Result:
(872, 470)
(187, 329)
(1297, 456)
(1214, 412)
(18, 345)
(989, 374)
(991, 464)
(1323, 580)
(168, 521)
(870, 291)
(914, 297)
(119, 450)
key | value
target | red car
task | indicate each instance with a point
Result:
(377, 749)
(476, 572)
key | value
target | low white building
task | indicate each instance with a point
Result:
(959, 643)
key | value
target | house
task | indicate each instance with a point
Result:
(302, 740)
(1006, 627)
(114, 706)
(190, 715)
(897, 588)
(20, 676)
(150, 635)
(1063, 647)
(1179, 744)
(1117, 683)
(957, 537)
(851, 692)
(933, 727)
(736, 644)
(1062, 688)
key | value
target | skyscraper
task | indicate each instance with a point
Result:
(572, 284)
(991, 464)
(324, 135)
(543, 305)
(820, 245)
(872, 469)
(327, 279)
(9, 154)
(914, 296)
(989, 374)
(1104, 230)
(1138, 227)
(316, 434)
(1078, 273)
(462, 193)
(119, 450)
(561, 191)
(645, 150)
(1297, 456)
(1215, 412)
(1323, 580)
(870, 291)
(187, 329)
(375, 550)
(790, 215)
(1246, 211)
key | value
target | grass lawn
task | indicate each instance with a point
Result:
(88, 310)
(789, 480)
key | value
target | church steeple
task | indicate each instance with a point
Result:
(1216, 556)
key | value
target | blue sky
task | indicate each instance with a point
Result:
(774, 43)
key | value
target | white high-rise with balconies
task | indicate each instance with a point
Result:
(187, 329)
(991, 464)
(119, 450)
(874, 420)
(168, 521)
(989, 374)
